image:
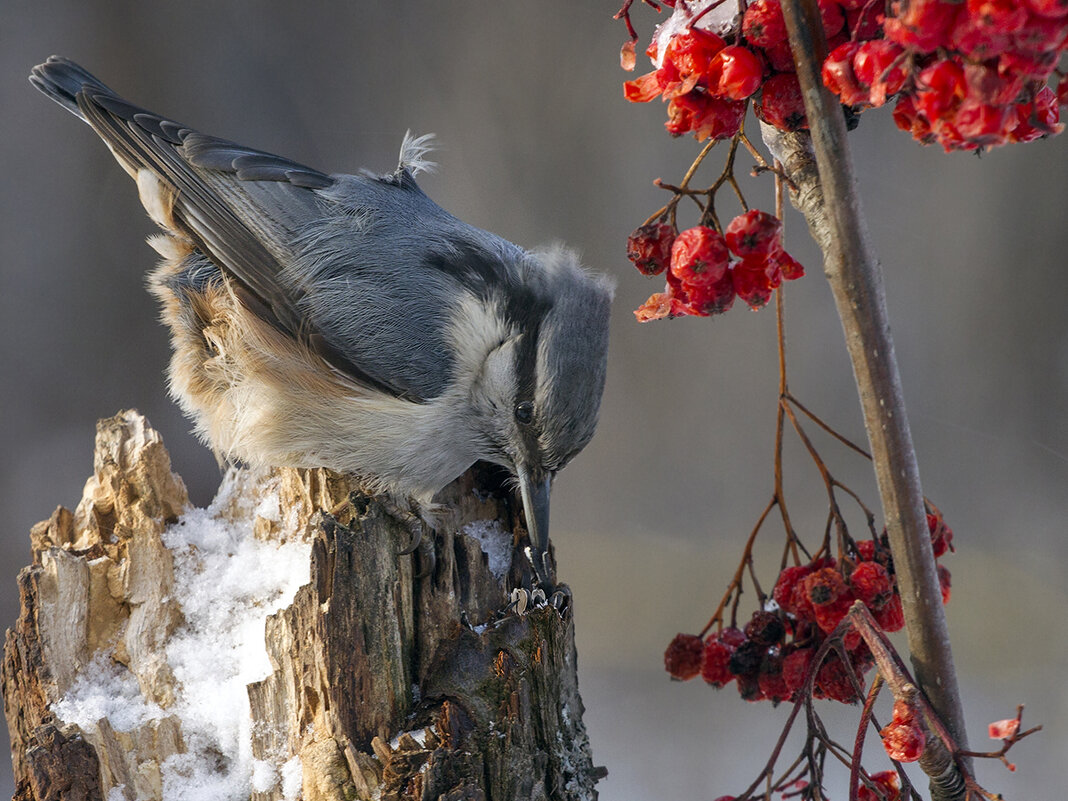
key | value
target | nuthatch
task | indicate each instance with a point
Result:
(348, 322)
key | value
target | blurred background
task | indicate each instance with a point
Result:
(537, 144)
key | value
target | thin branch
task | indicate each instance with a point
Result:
(829, 201)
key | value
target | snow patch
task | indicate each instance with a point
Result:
(723, 20)
(227, 583)
(495, 542)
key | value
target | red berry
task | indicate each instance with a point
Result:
(944, 583)
(833, 681)
(971, 38)
(1034, 120)
(765, 628)
(751, 281)
(1048, 8)
(785, 584)
(830, 597)
(941, 534)
(832, 16)
(891, 617)
(790, 267)
(903, 741)
(763, 23)
(880, 64)
(735, 73)
(982, 124)
(888, 785)
(690, 53)
(920, 24)
(999, 16)
(795, 668)
(706, 116)
(1041, 34)
(908, 118)
(660, 306)
(865, 21)
(940, 89)
(732, 636)
(755, 233)
(781, 103)
(715, 662)
(746, 659)
(770, 679)
(642, 89)
(839, 77)
(714, 298)
(699, 256)
(682, 659)
(1003, 729)
(780, 57)
(871, 584)
(649, 247)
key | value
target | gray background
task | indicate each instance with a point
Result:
(537, 145)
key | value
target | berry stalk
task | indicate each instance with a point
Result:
(827, 197)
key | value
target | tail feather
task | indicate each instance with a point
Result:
(61, 79)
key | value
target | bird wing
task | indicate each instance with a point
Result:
(242, 207)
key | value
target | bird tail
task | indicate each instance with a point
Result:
(61, 79)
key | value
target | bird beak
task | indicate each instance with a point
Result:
(535, 493)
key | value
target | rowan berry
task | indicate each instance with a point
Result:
(903, 740)
(833, 681)
(887, 784)
(763, 23)
(944, 583)
(715, 662)
(770, 679)
(838, 75)
(746, 659)
(871, 584)
(879, 65)
(736, 72)
(795, 668)
(765, 628)
(891, 617)
(754, 233)
(649, 247)
(751, 281)
(781, 103)
(699, 256)
(682, 659)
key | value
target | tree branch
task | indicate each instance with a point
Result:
(820, 166)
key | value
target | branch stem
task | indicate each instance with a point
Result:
(821, 167)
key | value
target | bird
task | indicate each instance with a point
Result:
(349, 322)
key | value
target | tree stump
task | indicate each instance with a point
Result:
(260, 649)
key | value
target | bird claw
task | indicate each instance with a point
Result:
(521, 601)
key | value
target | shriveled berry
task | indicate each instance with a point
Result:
(752, 283)
(1003, 729)
(715, 663)
(785, 584)
(765, 628)
(643, 88)
(682, 659)
(833, 681)
(871, 584)
(941, 534)
(903, 741)
(944, 583)
(649, 247)
(749, 688)
(781, 103)
(891, 617)
(699, 256)
(690, 54)
(795, 668)
(920, 24)
(732, 635)
(790, 268)
(746, 659)
(770, 679)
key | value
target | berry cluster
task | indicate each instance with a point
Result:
(967, 75)
(888, 783)
(706, 269)
(772, 656)
(707, 78)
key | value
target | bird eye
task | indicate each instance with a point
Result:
(524, 412)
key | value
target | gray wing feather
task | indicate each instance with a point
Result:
(366, 270)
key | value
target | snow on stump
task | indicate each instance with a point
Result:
(257, 650)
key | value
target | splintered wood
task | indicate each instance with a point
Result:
(377, 683)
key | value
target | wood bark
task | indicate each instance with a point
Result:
(384, 684)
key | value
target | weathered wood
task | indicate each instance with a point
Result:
(382, 684)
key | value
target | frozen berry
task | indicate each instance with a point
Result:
(781, 103)
(754, 233)
(871, 584)
(903, 740)
(735, 73)
(699, 256)
(682, 659)
(649, 247)
(715, 663)
(765, 628)
(763, 23)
